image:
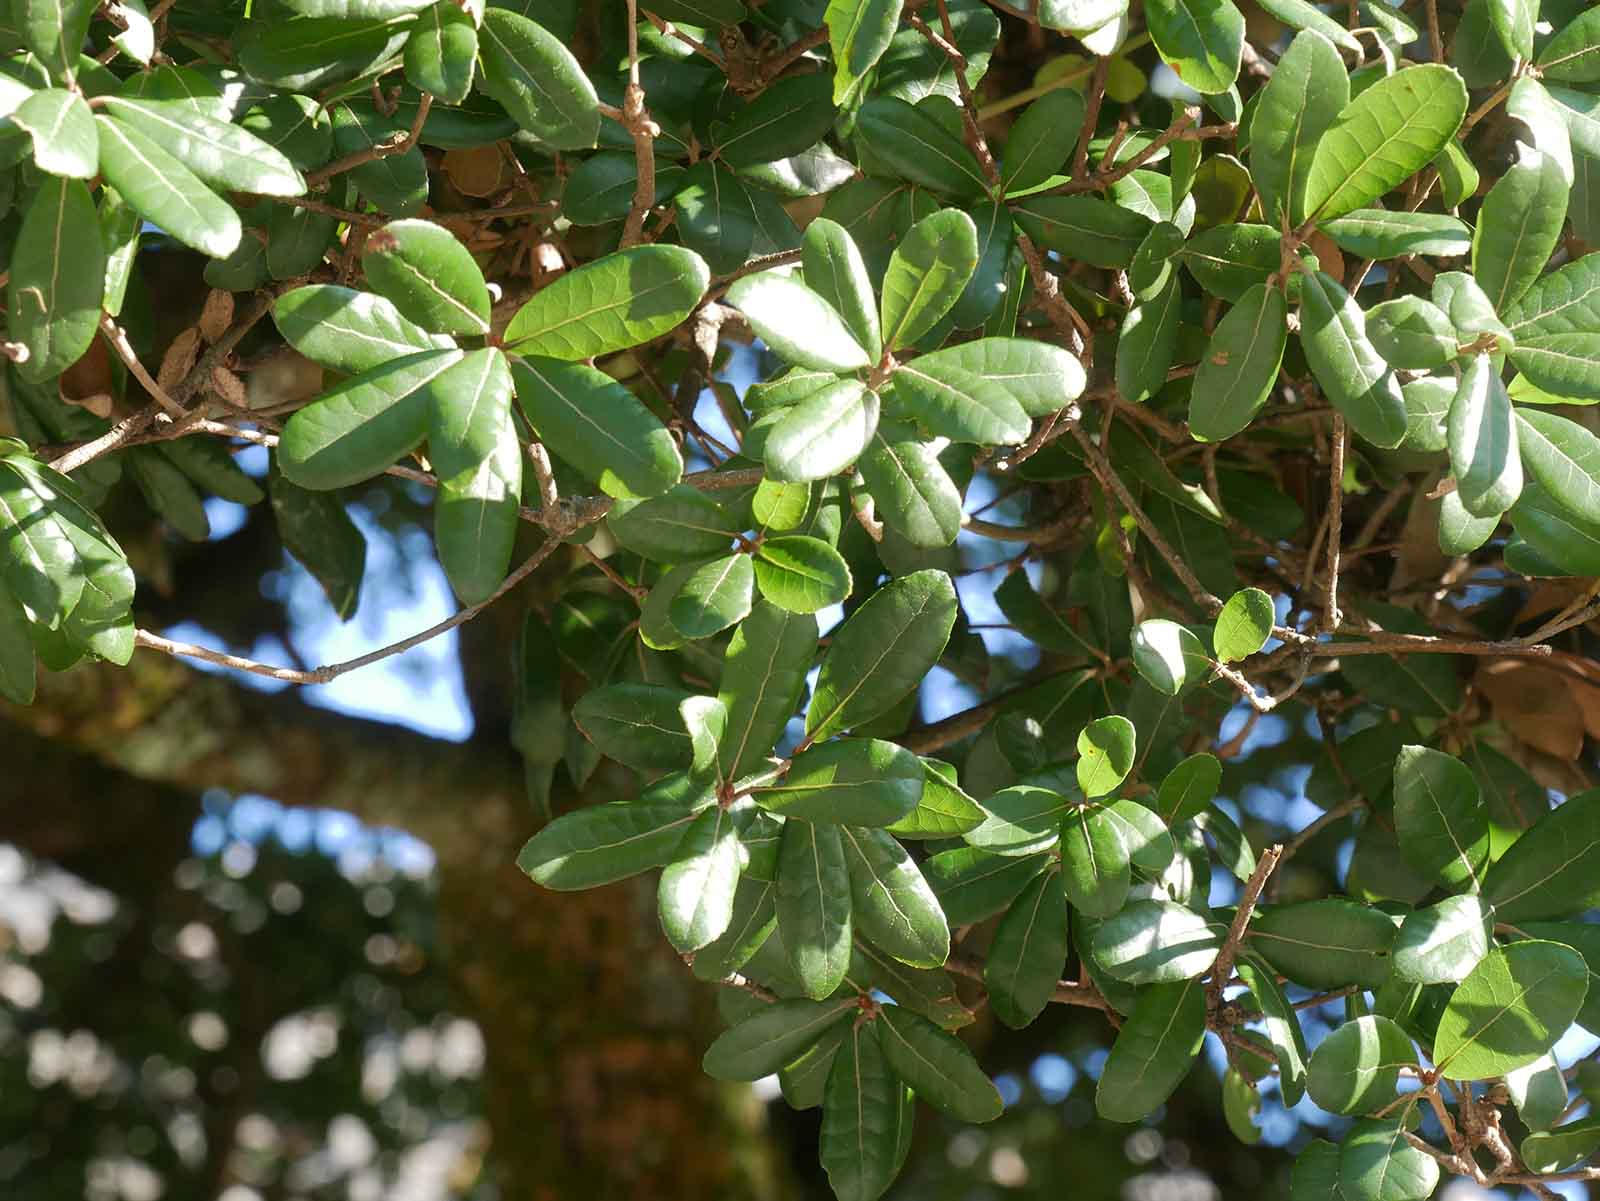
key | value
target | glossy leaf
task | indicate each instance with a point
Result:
(1354, 377)
(442, 51)
(621, 300)
(864, 1107)
(1155, 942)
(882, 651)
(823, 434)
(1153, 1052)
(429, 276)
(855, 781)
(604, 843)
(1384, 136)
(937, 1066)
(598, 426)
(714, 596)
(763, 676)
(477, 457)
(835, 271)
(1240, 366)
(1376, 1161)
(927, 273)
(1443, 943)
(1305, 95)
(891, 904)
(1382, 234)
(1551, 870)
(1202, 40)
(1564, 457)
(1244, 625)
(773, 1037)
(814, 910)
(1039, 377)
(1028, 953)
(1519, 226)
(1105, 755)
(801, 574)
(534, 76)
(695, 896)
(1094, 861)
(1325, 944)
(1513, 1007)
(57, 275)
(349, 331)
(1356, 1068)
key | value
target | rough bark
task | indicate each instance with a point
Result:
(594, 1029)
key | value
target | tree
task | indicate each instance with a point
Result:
(1251, 424)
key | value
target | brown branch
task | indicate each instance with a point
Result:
(119, 342)
(395, 145)
(636, 120)
(1222, 969)
(1330, 610)
(332, 671)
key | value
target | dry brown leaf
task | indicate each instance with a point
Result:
(1535, 704)
(476, 172)
(284, 378)
(217, 315)
(89, 383)
(1551, 596)
(179, 359)
(230, 387)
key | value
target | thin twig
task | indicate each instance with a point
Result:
(1222, 969)
(396, 145)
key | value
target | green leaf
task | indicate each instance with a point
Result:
(1353, 375)
(397, 182)
(917, 148)
(1153, 1052)
(62, 130)
(349, 331)
(1155, 942)
(797, 323)
(1460, 533)
(620, 300)
(1443, 943)
(1412, 333)
(1513, 1007)
(429, 276)
(1357, 1067)
(1282, 1026)
(638, 725)
(54, 30)
(775, 1036)
(1325, 944)
(1565, 459)
(1094, 861)
(1439, 816)
(1244, 625)
(714, 596)
(1483, 441)
(1228, 260)
(317, 530)
(891, 904)
(1086, 228)
(1202, 40)
(366, 423)
(1041, 378)
(1553, 870)
(927, 273)
(1383, 137)
(17, 670)
(682, 523)
(1105, 749)
(1376, 1163)
(695, 896)
(605, 843)
(865, 1113)
(1428, 402)
(1381, 234)
(1519, 226)
(1297, 14)
(943, 810)
(1028, 953)
(914, 494)
(973, 884)
(1168, 656)
(598, 426)
(937, 1066)
(1042, 140)
(859, 31)
(929, 991)
(814, 918)
(1316, 1173)
(823, 434)
(835, 271)
(442, 52)
(312, 53)
(801, 574)
(1459, 295)
(1557, 329)
(1189, 788)
(859, 781)
(477, 457)
(1573, 55)
(1147, 343)
(960, 406)
(222, 155)
(1305, 95)
(1513, 23)
(726, 222)
(1022, 819)
(1240, 366)
(791, 115)
(1562, 1148)
(1539, 1091)
(763, 676)
(536, 79)
(882, 651)
(57, 277)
